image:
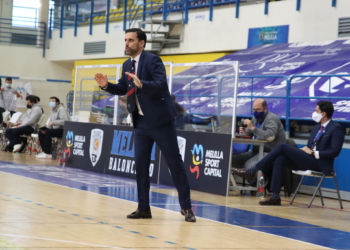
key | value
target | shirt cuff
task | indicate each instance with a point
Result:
(317, 154)
(104, 87)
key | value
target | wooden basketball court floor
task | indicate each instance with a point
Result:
(45, 206)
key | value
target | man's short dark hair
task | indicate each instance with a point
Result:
(264, 104)
(32, 98)
(327, 107)
(9, 79)
(56, 99)
(141, 35)
(36, 97)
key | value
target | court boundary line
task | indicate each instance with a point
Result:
(66, 241)
(172, 210)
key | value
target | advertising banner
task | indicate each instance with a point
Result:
(268, 35)
(104, 148)
(195, 88)
(206, 158)
(84, 145)
(119, 154)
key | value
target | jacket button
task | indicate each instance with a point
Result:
(162, 99)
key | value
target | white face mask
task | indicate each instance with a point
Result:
(316, 117)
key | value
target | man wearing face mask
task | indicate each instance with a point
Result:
(9, 96)
(54, 127)
(266, 126)
(26, 127)
(324, 145)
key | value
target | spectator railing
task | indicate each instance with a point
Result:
(288, 97)
(69, 14)
(23, 31)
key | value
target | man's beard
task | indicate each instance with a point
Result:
(130, 52)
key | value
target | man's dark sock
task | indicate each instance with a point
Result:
(275, 196)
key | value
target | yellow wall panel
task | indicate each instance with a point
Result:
(208, 57)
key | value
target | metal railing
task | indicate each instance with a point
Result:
(288, 97)
(29, 33)
(69, 14)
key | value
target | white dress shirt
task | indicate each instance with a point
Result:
(137, 59)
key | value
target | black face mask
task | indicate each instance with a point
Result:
(28, 106)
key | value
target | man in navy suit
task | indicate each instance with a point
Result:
(144, 82)
(324, 145)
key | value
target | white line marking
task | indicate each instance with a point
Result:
(171, 210)
(66, 241)
(215, 205)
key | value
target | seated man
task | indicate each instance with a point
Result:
(38, 102)
(26, 127)
(324, 145)
(266, 126)
(182, 117)
(54, 127)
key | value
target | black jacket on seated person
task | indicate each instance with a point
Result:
(329, 145)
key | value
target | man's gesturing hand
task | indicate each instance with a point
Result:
(135, 78)
(101, 80)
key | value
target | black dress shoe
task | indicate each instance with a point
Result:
(271, 202)
(189, 215)
(138, 214)
(242, 173)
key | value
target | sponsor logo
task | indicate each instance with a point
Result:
(74, 144)
(96, 140)
(211, 161)
(123, 151)
(69, 143)
(197, 159)
(69, 139)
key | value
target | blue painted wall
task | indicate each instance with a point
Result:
(342, 169)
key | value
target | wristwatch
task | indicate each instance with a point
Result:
(313, 153)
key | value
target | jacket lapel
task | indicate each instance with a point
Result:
(328, 128)
(140, 64)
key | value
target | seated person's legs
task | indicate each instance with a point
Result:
(2, 110)
(276, 161)
(16, 136)
(238, 161)
(9, 137)
(45, 139)
(42, 136)
(252, 162)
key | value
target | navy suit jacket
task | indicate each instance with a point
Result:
(329, 145)
(154, 97)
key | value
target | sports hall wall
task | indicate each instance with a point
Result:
(23, 61)
(317, 20)
(28, 64)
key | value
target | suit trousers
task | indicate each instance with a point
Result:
(46, 139)
(166, 139)
(14, 134)
(285, 156)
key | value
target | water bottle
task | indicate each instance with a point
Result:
(261, 187)
(35, 147)
(29, 147)
(63, 159)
